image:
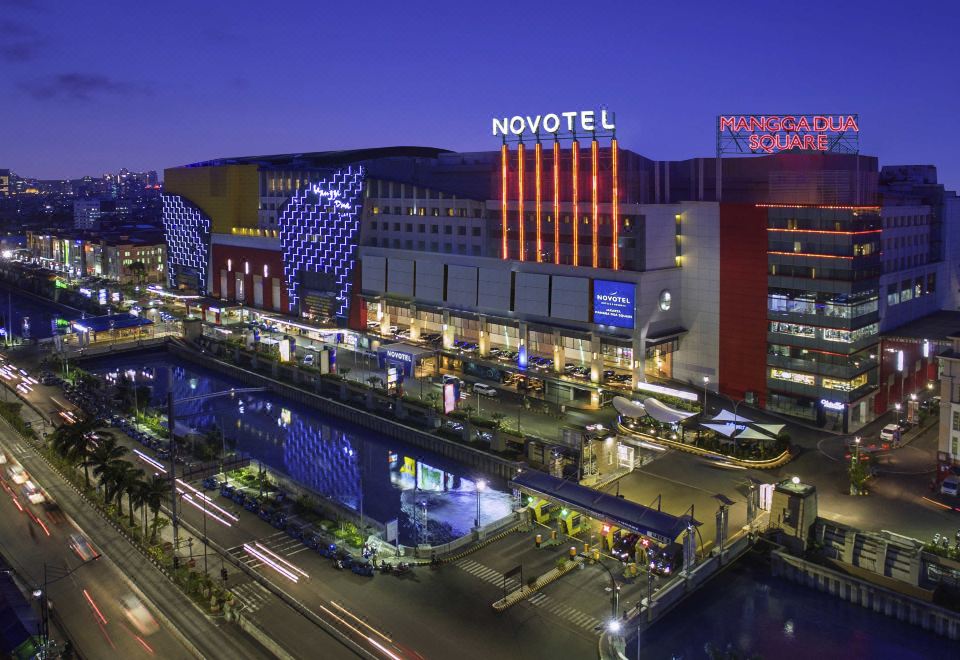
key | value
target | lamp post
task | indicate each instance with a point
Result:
(706, 379)
(897, 406)
(481, 486)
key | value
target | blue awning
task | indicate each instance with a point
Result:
(110, 322)
(659, 525)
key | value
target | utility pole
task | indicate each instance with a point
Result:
(173, 471)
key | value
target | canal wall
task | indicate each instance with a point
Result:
(867, 594)
(467, 456)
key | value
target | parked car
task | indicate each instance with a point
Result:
(484, 389)
(308, 359)
(890, 433)
(950, 486)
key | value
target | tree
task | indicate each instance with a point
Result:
(498, 418)
(73, 442)
(103, 459)
(139, 271)
(433, 398)
(374, 381)
(154, 490)
(345, 371)
(468, 411)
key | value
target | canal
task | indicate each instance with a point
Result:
(30, 318)
(757, 615)
(433, 499)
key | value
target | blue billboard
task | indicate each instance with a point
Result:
(614, 302)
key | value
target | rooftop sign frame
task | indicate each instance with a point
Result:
(765, 134)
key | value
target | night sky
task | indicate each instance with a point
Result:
(89, 87)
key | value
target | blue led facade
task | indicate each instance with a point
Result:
(187, 231)
(319, 232)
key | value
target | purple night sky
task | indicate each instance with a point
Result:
(89, 88)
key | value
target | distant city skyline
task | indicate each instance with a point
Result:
(193, 82)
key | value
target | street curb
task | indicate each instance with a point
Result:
(485, 542)
(525, 591)
(771, 464)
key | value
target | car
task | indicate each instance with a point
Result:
(138, 615)
(308, 359)
(890, 433)
(450, 378)
(950, 486)
(484, 389)
(83, 548)
(211, 483)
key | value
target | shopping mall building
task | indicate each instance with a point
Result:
(584, 269)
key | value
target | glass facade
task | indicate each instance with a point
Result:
(822, 307)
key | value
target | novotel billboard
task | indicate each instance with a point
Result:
(767, 134)
(573, 121)
(613, 303)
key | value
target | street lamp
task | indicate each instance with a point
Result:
(706, 379)
(481, 486)
(897, 406)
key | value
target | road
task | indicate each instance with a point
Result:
(85, 595)
(130, 572)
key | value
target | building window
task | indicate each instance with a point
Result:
(893, 295)
(448, 229)
(421, 229)
(844, 385)
(793, 377)
(476, 231)
(461, 231)
(435, 212)
(956, 421)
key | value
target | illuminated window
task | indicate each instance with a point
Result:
(793, 377)
(844, 385)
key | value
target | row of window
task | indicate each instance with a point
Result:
(909, 289)
(826, 382)
(819, 273)
(902, 263)
(826, 334)
(422, 229)
(423, 211)
(808, 304)
(407, 244)
(906, 221)
(834, 248)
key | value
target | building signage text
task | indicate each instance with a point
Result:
(773, 133)
(613, 303)
(586, 121)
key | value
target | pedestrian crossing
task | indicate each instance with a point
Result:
(278, 542)
(557, 608)
(251, 596)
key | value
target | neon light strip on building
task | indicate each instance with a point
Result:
(520, 195)
(538, 152)
(826, 231)
(575, 154)
(615, 195)
(556, 201)
(503, 196)
(594, 157)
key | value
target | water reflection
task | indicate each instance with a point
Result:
(433, 499)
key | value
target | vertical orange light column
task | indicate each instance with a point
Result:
(503, 195)
(615, 198)
(539, 154)
(594, 167)
(575, 154)
(556, 201)
(523, 246)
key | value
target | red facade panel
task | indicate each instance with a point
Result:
(234, 259)
(743, 301)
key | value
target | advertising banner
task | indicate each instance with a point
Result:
(450, 396)
(614, 303)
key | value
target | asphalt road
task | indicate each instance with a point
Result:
(174, 610)
(85, 595)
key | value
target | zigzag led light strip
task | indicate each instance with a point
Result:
(187, 230)
(319, 230)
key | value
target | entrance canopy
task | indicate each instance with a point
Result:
(658, 525)
(110, 322)
(652, 407)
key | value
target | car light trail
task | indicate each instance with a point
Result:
(359, 620)
(189, 499)
(272, 564)
(149, 460)
(942, 505)
(383, 648)
(281, 559)
(140, 640)
(96, 609)
(210, 502)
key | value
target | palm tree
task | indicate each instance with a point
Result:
(103, 459)
(72, 441)
(125, 478)
(154, 490)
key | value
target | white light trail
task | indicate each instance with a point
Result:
(269, 562)
(281, 559)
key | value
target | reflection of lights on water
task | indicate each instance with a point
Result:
(788, 628)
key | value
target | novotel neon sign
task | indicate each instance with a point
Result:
(773, 133)
(397, 355)
(586, 121)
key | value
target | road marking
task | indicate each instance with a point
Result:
(540, 599)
